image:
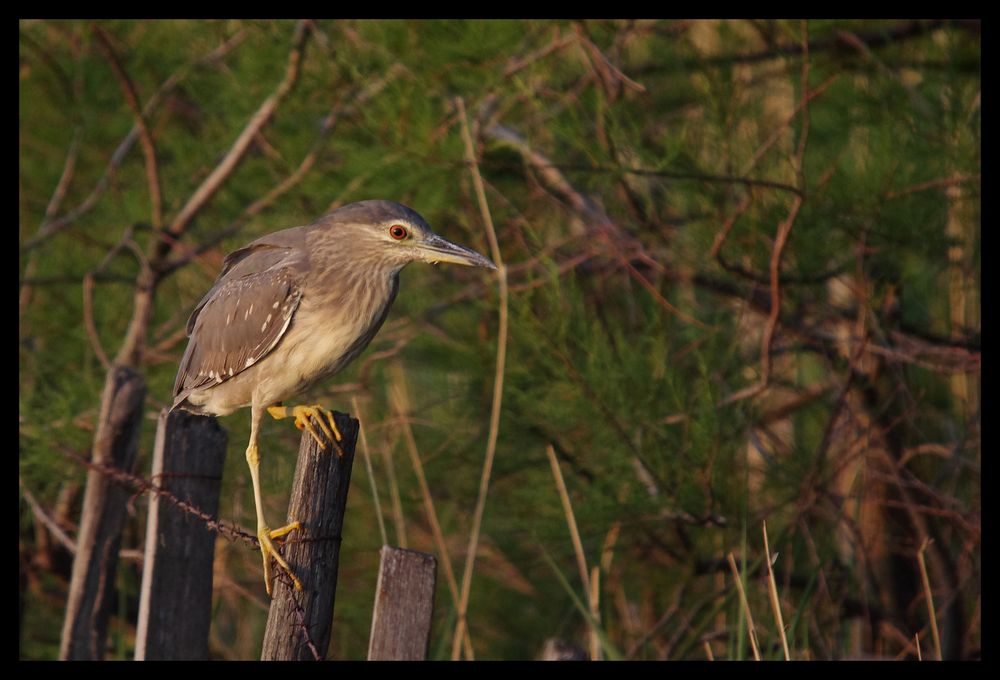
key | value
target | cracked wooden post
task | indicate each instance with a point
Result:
(175, 599)
(92, 585)
(298, 624)
(404, 604)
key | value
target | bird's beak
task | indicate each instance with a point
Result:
(436, 249)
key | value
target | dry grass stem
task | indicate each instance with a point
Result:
(371, 474)
(751, 630)
(596, 653)
(398, 520)
(581, 559)
(929, 596)
(401, 403)
(491, 444)
(775, 600)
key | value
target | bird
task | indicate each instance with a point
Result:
(295, 307)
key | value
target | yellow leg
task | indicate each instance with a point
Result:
(265, 535)
(302, 415)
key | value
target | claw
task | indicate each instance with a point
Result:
(302, 415)
(267, 549)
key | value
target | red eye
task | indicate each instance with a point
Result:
(398, 232)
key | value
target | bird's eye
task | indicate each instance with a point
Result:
(398, 232)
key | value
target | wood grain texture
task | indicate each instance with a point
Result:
(404, 605)
(92, 584)
(298, 623)
(175, 599)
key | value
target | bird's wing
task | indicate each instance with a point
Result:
(241, 319)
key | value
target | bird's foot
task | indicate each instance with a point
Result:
(267, 549)
(302, 415)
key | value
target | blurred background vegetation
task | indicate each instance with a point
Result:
(744, 270)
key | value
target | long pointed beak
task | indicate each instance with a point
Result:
(436, 249)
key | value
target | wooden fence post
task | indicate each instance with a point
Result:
(175, 599)
(404, 603)
(298, 624)
(92, 584)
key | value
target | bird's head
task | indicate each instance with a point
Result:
(395, 235)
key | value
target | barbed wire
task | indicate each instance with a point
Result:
(142, 485)
(229, 530)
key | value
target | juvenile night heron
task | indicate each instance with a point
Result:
(292, 308)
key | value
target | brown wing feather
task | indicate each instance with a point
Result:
(236, 325)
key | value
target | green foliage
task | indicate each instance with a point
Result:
(629, 341)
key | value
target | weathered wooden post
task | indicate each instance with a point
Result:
(175, 599)
(92, 583)
(298, 624)
(404, 603)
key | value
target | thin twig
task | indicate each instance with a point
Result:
(261, 116)
(88, 320)
(876, 37)
(337, 112)
(781, 238)
(665, 618)
(774, 312)
(55, 202)
(605, 230)
(941, 183)
(491, 444)
(807, 97)
(146, 139)
(675, 174)
(609, 74)
(518, 63)
(662, 301)
(48, 522)
(149, 277)
(55, 225)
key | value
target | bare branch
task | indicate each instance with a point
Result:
(224, 169)
(88, 320)
(53, 227)
(47, 521)
(148, 147)
(339, 110)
